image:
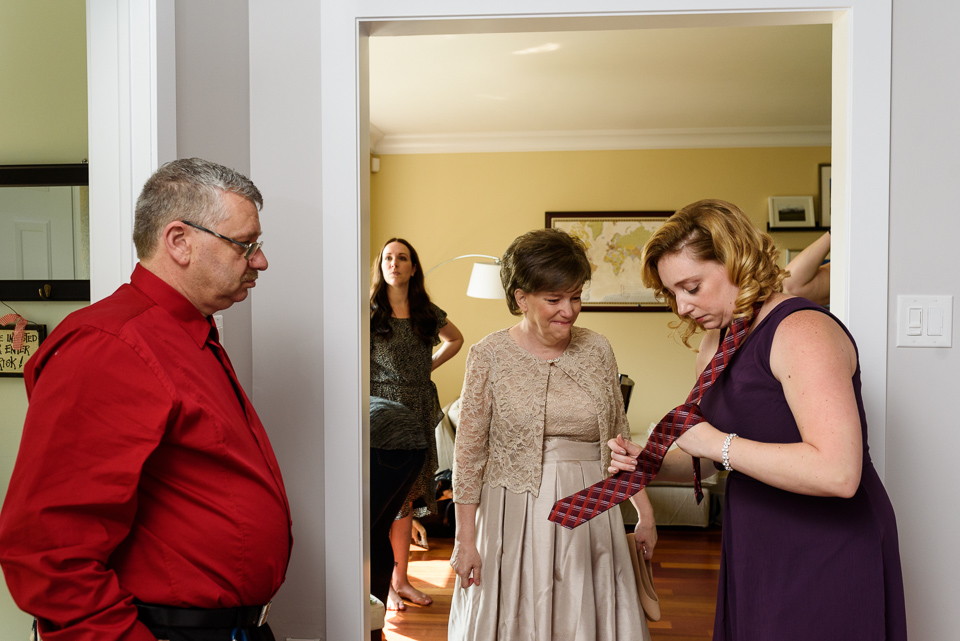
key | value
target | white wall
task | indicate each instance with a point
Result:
(923, 431)
(213, 122)
(289, 345)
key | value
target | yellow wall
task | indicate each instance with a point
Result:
(43, 120)
(43, 81)
(453, 204)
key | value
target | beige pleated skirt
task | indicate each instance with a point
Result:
(540, 581)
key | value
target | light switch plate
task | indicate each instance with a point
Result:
(936, 308)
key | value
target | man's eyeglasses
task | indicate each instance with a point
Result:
(249, 249)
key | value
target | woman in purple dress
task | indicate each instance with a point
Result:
(809, 536)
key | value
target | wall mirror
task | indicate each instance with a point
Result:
(44, 232)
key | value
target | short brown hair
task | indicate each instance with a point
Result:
(543, 260)
(719, 231)
(186, 189)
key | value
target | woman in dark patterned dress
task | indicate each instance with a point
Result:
(809, 545)
(404, 328)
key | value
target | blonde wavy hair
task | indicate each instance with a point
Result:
(719, 231)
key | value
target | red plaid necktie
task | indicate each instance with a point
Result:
(600, 497)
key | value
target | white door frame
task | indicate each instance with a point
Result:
(131, 99)
(861, 140)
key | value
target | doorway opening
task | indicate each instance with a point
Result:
(859, 158)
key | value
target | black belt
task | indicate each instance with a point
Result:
(248, 616)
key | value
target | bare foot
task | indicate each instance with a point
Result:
(413, 595)
(394, 602)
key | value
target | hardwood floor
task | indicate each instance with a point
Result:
(686, 567)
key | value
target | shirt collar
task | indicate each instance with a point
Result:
(194, 323)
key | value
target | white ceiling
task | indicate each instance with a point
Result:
(721, 86)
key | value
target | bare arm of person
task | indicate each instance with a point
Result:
(465, 559)
(809, 277)
(645, 534)
(452, 342)
(814, 361)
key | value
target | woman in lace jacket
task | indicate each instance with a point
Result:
(538, 400)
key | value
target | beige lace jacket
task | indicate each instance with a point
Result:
(500, 435)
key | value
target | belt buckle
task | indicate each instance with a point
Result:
(264, 611)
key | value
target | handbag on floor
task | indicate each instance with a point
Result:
(643, 571)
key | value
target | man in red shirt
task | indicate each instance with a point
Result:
(146, 502)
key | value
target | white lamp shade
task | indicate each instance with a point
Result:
(485, 282)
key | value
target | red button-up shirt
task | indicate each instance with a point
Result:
(140, 474)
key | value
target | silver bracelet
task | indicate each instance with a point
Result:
(726, 452)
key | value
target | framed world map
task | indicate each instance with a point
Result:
(614, 242)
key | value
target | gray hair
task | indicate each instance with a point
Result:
(187, 189)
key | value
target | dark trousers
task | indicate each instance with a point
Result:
(392, 473)
(263, 633)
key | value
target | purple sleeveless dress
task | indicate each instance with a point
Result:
(797, 567)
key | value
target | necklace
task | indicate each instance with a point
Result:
(551, 361)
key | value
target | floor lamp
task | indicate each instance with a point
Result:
(484, 279)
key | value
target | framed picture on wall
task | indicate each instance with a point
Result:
(614, 241)
(792, 211)
(12, 361)
(825, 192)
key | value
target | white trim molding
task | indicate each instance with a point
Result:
(125, 41)
(706, 138)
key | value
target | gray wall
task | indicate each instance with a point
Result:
(214, 105)
(288, 313)
(923, 438)
(213, 122)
